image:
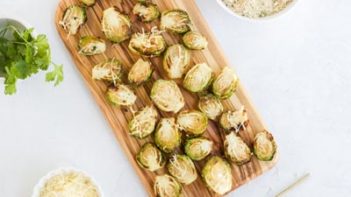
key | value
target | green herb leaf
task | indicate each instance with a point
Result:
(22, 55)
(56, 75)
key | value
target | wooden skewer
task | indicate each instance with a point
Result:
(293, 185)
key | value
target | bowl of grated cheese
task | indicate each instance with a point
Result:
(67, 182)
(257, 10)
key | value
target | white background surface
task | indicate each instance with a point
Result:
(296, 69)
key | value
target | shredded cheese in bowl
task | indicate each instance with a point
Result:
(67, 183)
(257, 8)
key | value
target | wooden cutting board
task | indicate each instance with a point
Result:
(118, 117)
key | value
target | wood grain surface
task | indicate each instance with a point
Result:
(118, 117)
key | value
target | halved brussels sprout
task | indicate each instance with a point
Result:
(167, 186)
(146, 12)
(143, 123)
(176, 20)
(198, 78)
(147, 44)
(167, 96)
(88, 2)
(194, 40)
(90, 45)
(217, 175)
(176, 61)
(182, 168)
(150, 157)
(236, 149)
(121, 95)
(225, 84)
(211, 106)
(167, 136)
(140, 72)
(111, 71)
(236, 120)
(194, 123)
(198, 148)
(73, 17)
(264, 146)
(116, 26)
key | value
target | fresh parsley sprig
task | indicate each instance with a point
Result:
(23, 55)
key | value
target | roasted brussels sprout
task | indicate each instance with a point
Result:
(195, 41)
(236, 120)
(194, 123)
(217, 175)
(143, 123)
(211, 106)
(88, 2)
(146, 12)
(121, 95)
(264, 146)
(167, 136)
(167, 96)
(176, 21)
(198, 78)
(236, 149)
(150, 157)
(73, 17)
(110, 71)
(198, 148)
(147, 44)
(182, 168)
(176, 61)
(225, 84)
(140, 72)
(167, 186)
(116, 26)
(90, 45)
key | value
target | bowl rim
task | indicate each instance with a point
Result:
(262, 19)
(44, 179)
(7, 16)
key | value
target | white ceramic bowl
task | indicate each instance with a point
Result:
(276, 15)
(44, 180)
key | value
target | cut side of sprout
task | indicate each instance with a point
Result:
(182, 168)
(236, 149)
(147, 12)
(198, 148)
(264, 146)
(88, 2)
(217, 175)
(167, 96)
(211, 106)
(143, 123)
(177, 21)
(167, 186)
(73, 17)
(111, 71)
(121, 95)
(225, 84)
(237, 120)
(195, 41)
(150, 157)
(90, 45)
(116, 26)
(176, 61)
(167, 136)
(194, 123)
(140, 72)
(198, 78)
(147, 44)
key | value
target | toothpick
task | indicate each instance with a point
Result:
(293, 185)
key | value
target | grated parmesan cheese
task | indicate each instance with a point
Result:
(69, 184)
(257, 8)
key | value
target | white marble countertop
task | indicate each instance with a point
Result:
(297, 70)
